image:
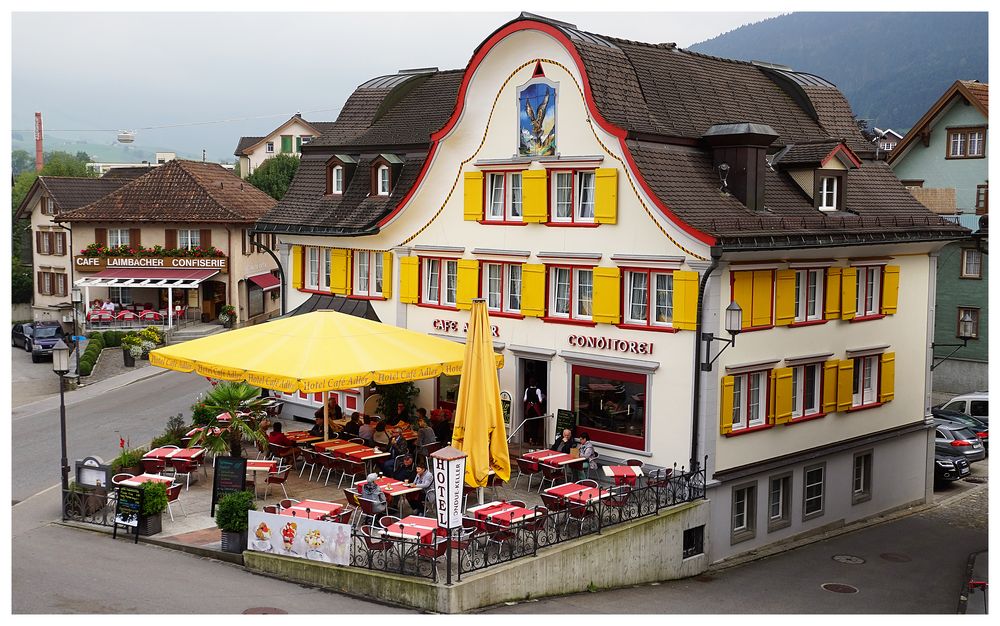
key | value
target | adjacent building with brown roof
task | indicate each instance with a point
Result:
(288, 138)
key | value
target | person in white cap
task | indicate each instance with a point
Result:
(371, 491)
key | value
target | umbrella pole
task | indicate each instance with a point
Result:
(479, 490)
(326, 416)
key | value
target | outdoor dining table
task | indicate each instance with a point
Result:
(333, 444)
(135, 481)
(623, 474)
(551, 457)
(313, 509)
(416, 527)
(194, 431)
(302, 436)
(358, 452)
(391, 486)
(575, 492)
(501, 512)
(168, 454)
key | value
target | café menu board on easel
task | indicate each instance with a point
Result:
(230, 477)
(127, 509)
(565, 419)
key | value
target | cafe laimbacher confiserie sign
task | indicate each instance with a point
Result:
(98, 263)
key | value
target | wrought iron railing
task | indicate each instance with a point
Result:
(92, 506)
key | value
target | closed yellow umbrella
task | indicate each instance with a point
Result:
(479, 428)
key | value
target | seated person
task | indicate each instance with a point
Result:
(367, 431)
(401, 415)
(398, 444)
(335, 411)
(278, 438)
(425, 434)
(587, 452)
(370, 491)
(565, 442)
(424, 480)
(109, 306)
(352, 426)
(379, 438)
(317, 429)
(406, 471)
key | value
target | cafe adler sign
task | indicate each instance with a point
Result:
(99, 263)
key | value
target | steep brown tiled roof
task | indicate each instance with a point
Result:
(246, 142)
(128, 173)
(803, 154)
(179, 191)
(972, 91)
(980, 92)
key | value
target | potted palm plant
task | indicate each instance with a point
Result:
(154, 503)
(231, 518)
(245, 407)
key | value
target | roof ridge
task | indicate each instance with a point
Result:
(209, 190)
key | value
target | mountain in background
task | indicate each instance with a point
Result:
(101, 152)
(891, 66)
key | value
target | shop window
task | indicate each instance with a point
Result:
(440, 282)
(972, 263)
(502, 287)
(447, 391)
(571, 293)
(573, 196)
(649, 298)
(610, 406)
(120, 295)
(809, 295)
(255, 299)
(504, 201)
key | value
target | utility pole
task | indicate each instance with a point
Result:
(39, 159)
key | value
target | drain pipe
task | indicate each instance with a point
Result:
(716, 253)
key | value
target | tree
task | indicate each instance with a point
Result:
(21, 284)
(245, 407)
(56, 164)
(274, 175)
(21, 161)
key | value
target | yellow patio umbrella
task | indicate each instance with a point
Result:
(479, 428)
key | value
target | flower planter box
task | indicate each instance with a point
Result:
(150, 524)
(129, 359)
(234, 542)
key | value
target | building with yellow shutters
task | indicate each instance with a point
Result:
(610, 199)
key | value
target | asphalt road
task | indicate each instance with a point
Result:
(30, 381)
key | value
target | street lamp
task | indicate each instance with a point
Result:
(966, 331)
(734, 324)
(60, 365)
(77, 298)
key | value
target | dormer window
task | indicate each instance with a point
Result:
(828, 193)
(337, 179)
(383, 180)
(339, 170)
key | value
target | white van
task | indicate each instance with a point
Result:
(976, 404)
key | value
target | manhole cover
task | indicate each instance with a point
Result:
(895, 557)
(839, 588)
(849, 559)
(264, 610)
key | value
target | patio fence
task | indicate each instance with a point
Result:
(90, 507)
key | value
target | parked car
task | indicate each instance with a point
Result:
(41, 337)
(976, 404)
(949, 468)
(981, 429)
(955, 440)
(20, 336)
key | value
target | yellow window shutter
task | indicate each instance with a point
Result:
(887, 390)
(298, 267)
(534, 196)
(685, 300)
(726, 406)
(742, 294)
(607, 295)
(533, 290)
(848, 292)
(784, 297)
(890, 289)
(782, 394)
(770, 397)
(409, 279)
(387, 275)
(339, 270)
(830, 386)
(845, 384)
(468, 283)
(833, 293)
(762, 284)
(474, 198)
(606, 195)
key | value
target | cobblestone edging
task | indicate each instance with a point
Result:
(110, 363)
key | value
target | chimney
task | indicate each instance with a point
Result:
(739, 157)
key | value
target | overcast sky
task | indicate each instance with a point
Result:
(135, 70)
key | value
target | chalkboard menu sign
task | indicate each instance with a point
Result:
(128, 508)
(230, 477)
(505, 407)
(565, 419)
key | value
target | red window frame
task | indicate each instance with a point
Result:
(877, 315)
(650, 303)
(422, 301)
(551, 187)
(504, 279)
(766, 401)
(632, 442)
(860, 376)
(819, 396)
(505, 220)
(570, 319)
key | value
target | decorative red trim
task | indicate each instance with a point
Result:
(814, 416)
(807, 323)
(658, 329)
(841, 148)
(865, 318)
(751, 329)
(568, 320)
(319, 291)
(572, 224)
(751, 429)
(427, 305)
(595, 114)
(501, 223)
(865, 406)
(513, 316)
(354, 297)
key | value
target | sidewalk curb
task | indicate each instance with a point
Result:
(218, 555)
(775, 549)
(72, 395)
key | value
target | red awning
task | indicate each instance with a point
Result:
(146, 277)
(266, 281)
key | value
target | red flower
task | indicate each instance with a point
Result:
(121, 443)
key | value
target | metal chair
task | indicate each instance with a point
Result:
(117, 479)
(587, 483)
(173, 495)
(277, 478)
(387, 521)
(352, 468)
(526, 467)
(185, 467)
(287, 503)
(345, 516)
(634, 463)
(519, 503)
(327, 463)
(270, 508)
(309, 459)
(153, 466)
(551, 473)
(498, 534)
(553, 503)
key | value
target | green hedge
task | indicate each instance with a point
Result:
(86, 367)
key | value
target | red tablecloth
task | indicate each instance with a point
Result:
(502, 513)
(314, 509)
(262, 466)
(135, 481)
(390, 486)
(174, 453)
(577, 493)
(416, 527)
(551, 457)
(302, 436)
(358, 452)
(623, 474)
(334, 444)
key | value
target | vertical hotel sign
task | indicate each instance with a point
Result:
(448, 467)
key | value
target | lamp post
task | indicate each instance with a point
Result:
(60, 365)
(966, 331)
(734, 324)
(77, 297)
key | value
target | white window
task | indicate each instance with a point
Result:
(312, 268)
(573, 196)
(779, 501)
(120, 295)
(806, 380)
(571, 292)
(808, 295)
(367, 273)
(649, 298)
(303, 140)
(861, 485)
(45, 241)
(812, 501)
(866, 375)
(338, 179)
(749, 400)
(438, 289)
(869, 291)
(976, 143)
(47, 283)
(502, 287)
(504, 200)
(269, 147)
(957, 144)
(60, 243)
(828, 193)
(383, 180)
(327, 260)
(188, 239)
(744, 512)
(117, 237)
(50, 206)
(972, 263)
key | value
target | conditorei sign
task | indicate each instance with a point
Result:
(98, 263)
(607, 343)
